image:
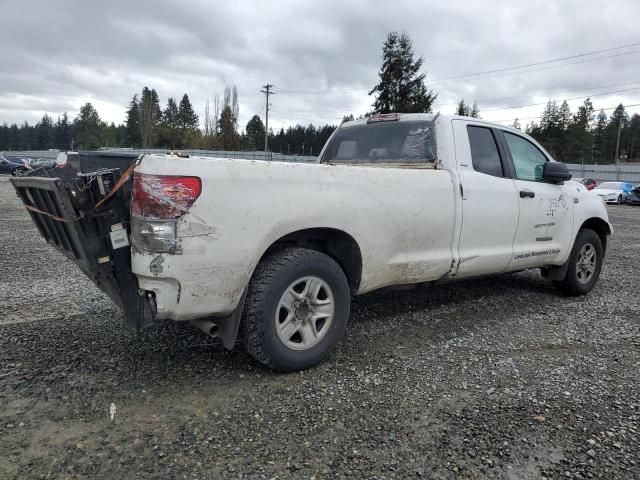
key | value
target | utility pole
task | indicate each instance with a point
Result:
(267, 91)
(617, 159)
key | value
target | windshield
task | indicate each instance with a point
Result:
(610, 186)
(383, 142)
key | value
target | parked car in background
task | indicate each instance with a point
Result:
(41, 163)
(613, 192)
(633, 197)
(12, 167)
(20, 160)
(590, 183)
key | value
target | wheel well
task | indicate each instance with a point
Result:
(337, 244)
(600, 227)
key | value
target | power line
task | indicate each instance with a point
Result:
(543, 62)
(314, 92)
(564, 99)
(480, 100)
(324, 117)
(488, 73)
(433, 82)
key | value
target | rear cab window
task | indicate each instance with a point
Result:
(409, 143)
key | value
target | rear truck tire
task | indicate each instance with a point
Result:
(297, 309)
(584, 264)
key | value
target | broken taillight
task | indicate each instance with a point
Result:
(163, 196)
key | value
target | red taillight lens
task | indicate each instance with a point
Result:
(163, 196)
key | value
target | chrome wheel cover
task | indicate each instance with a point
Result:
(305, 313)
(586, 263)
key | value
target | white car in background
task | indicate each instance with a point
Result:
(613, 192)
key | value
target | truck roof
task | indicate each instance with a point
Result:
(400, 117)
(409, 117)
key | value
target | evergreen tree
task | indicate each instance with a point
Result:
(580, 136)
(187, 117)
(467, 111)
(564, 120)
(156, 110)
(255, 133)
(550, 131)
(229, 119)
(228, 134)
(619, 119)
(564, 116)
(62, 139)
(133, 137)
(401, 88)
(149, 117)
(516, 124)
(188, 123)
(600, 146)
(634, 137)
(87, 128)
(44, 134)
(171, 123)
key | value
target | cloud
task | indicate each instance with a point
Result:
(58, 55)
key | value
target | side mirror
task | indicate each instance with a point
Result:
(555, 172)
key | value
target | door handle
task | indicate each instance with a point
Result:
(527, 194)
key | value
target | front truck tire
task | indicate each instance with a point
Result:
(297, 309)
(584, 264)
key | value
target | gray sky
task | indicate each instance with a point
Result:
(57, 55)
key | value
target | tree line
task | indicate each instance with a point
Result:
(583, 136)
(586, 136)
(176, 126)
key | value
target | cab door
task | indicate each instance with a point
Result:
(489, 200)
(545, 226)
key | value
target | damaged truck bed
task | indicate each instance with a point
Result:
(64, 205)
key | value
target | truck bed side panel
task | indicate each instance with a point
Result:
(402, 220)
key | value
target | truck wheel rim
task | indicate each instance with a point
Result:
(586, 264)
(305, 313)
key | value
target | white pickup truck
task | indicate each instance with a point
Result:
(276, 250)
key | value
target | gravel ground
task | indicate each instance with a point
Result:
(491, 378)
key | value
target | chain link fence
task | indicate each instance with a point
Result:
(626, 173)
(269, 156)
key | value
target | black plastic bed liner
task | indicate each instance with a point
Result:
(61, 203)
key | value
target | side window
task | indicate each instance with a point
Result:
(528, 160)
(484, 151)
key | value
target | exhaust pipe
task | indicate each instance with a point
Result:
(207, 326)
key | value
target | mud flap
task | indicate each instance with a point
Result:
(556, 273)
(228, 326)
